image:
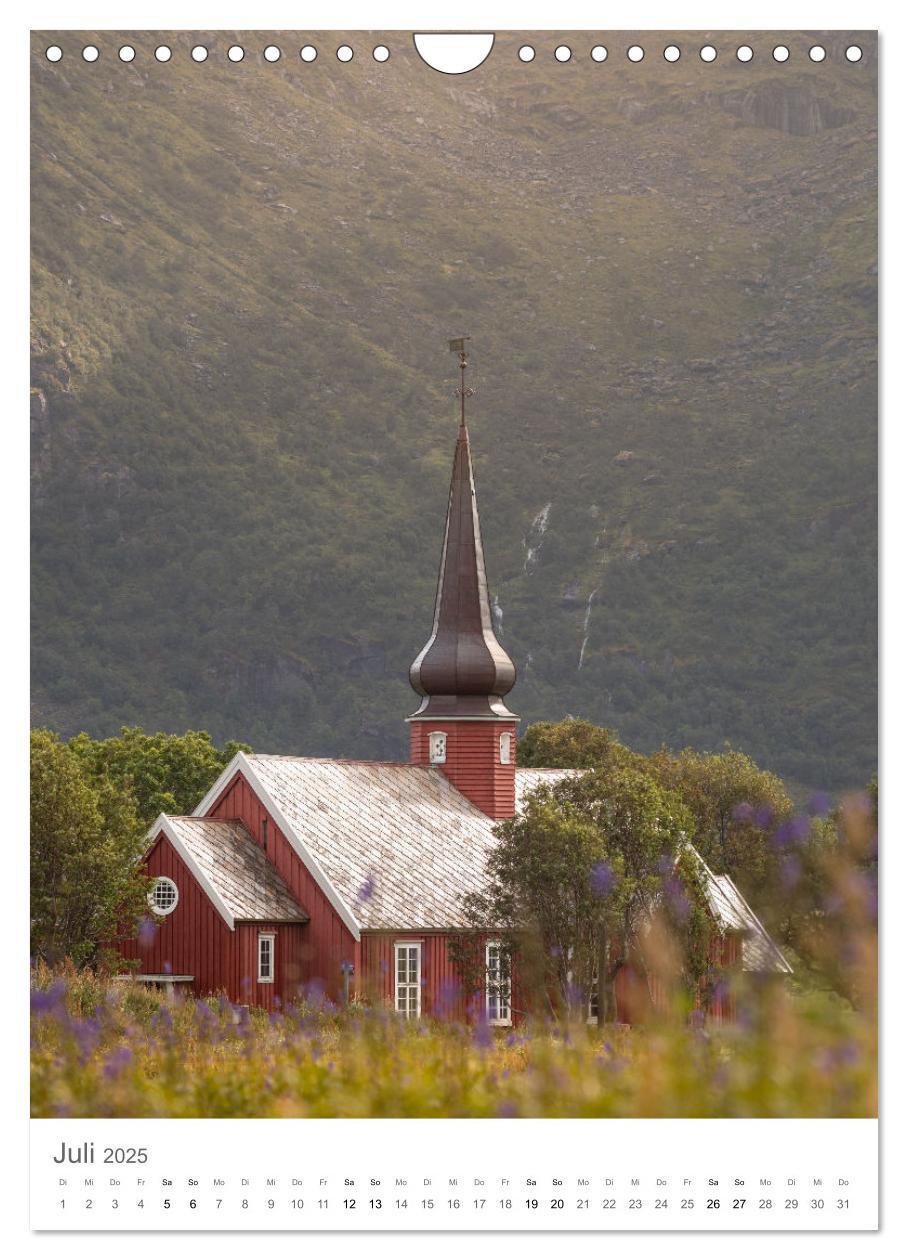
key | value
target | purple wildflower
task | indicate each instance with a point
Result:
(819, 804)
(482, 1034)
(800, 827)
(117, 1061)
(448, 996)
(763, 817)
(791, 870)
(148, 930)
(48, 999)
(602, 879)
(367, 892)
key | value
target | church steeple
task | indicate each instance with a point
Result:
(463, 672)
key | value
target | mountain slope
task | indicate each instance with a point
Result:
(244, 278)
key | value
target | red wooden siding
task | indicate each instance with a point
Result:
(443, 996)
(328, 942)
(473, 763)
(193, 940)
(637, 996)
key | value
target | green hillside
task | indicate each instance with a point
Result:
(244, 279)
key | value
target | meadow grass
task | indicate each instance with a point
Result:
(101, 1047)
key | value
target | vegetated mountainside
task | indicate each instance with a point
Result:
(244, 279)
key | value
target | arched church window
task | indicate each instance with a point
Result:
(504, 744)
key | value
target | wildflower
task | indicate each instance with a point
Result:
(763, 817)
(117, 1061)
(367, 891)
(148, 930)
(819, 804)
(482, 1034)
(48, 999)
(602, 879)
(507, 1109)
(86, 1033)
(791, 870)
(800, 827)
(720, 991)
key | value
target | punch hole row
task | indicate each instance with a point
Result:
(526, 53)
(201, 52)
(707, 53)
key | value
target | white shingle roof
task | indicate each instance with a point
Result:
(397, 846)
(398, 842)
(758, 950)
(237, 869)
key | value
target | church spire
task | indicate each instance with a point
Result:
(463, 671)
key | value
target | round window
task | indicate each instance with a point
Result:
(164, 896)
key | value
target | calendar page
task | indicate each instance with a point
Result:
(454, 782)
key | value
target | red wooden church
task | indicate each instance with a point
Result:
(297, 873)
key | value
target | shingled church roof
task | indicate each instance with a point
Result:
(232, 868)
(396, 846)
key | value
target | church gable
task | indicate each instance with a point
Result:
(227, 867)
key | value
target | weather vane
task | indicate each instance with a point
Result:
(458, 346)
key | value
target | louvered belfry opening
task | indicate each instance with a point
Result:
(463, 672)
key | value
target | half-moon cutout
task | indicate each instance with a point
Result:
(454, 53)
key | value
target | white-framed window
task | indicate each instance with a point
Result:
(438, 747)
(266, 958)
(164, 896)
(498, 986)
(504, 747)
(407, 978)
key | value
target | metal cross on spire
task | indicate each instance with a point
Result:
(457, 345)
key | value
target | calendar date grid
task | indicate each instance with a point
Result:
(453, 1195)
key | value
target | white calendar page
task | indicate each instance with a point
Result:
(740, 266)
(454, 1174)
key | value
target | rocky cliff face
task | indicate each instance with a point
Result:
(795, 109)
(244, 278)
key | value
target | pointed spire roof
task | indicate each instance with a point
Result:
(463, 671)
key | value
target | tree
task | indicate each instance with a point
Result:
(830, 885)
(735, 809)
(572, 743)
(86, 846)
(574, 879)
(167, 774)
